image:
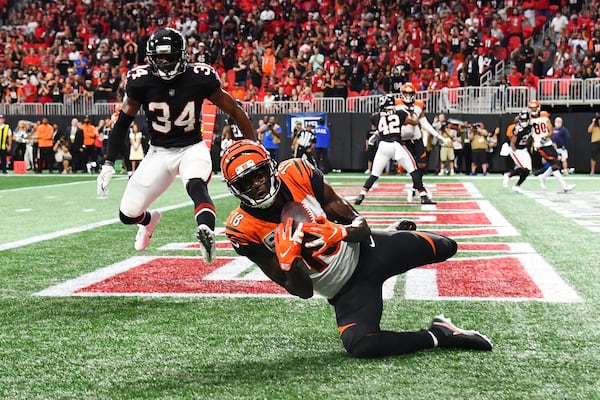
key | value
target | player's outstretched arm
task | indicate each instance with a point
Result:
(115, 143)
(296, 281)
(227, 103)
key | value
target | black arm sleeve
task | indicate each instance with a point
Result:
(117, 136)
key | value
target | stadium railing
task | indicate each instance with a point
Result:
(467, 100)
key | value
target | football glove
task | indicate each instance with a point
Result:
(103, 179)
(288, 243)
(328, 234)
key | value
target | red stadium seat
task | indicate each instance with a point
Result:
(527, 31)
(513, 43)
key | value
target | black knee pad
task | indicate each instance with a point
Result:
(128, 220)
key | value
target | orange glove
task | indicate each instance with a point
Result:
(288, 243)
(328, 234)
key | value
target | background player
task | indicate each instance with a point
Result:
(388, 122)
(411, 135)
(350, 261)
(520, 142)
(171, 91)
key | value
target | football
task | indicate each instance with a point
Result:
(300, 213)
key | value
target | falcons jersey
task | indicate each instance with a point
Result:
(173, 107)
(540, 131)
(252, 230)
(523, 136)
(236, 132)
(411, 132)
(389, 124)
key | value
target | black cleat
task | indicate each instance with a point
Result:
(427, 200)
(450, 336)
(359, 199)
(403, 225)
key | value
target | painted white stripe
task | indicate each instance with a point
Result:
(421, 284)
(67, 288)
(87, 227)
(387, 291)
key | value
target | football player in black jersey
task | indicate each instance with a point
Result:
(347, 261)
(389, 121)
(520, 142)
(171, 92)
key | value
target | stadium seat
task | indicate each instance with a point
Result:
(513, 43)
(563, 87)
(540, 20)
(547, 87)
(527, 31)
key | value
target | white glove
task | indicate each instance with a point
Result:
(103, 179)
(445, 140)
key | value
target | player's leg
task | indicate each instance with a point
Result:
(195, 170)
(385, 152)
(151, 179)
(358, 310)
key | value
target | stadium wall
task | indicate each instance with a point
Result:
(348, 133)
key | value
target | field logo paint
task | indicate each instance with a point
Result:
(506, 271)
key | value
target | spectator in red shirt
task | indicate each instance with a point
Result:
(515, 78)
(30, 92)
(318, 83)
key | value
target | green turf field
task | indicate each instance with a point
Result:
(117, 343)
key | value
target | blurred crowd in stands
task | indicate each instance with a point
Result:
(296, 50)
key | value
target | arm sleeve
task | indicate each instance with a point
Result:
(428, 127)
(117, 136)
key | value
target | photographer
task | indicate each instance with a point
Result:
(594, 131)
(270, 132)
(62, 154)
(478, 136)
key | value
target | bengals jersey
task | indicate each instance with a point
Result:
(173, 107)
(252, 230)
(411, 132)
(541, 131)
(389, 124)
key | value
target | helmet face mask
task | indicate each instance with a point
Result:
(408, 93)
(386, 102)
(534, 108)
(524, 118)
(166, 51)
(250, 174)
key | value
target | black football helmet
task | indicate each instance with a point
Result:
(524, 118)
(386, 102)
(166, 51)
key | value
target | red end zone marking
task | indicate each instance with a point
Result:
(498, 277)
(436, 219)
(178, 275)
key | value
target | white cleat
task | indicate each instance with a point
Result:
(144, 234)
(517, 189)
(410, 195)
(542, 181)
(206, 237)
(505, 179)
(569, 187)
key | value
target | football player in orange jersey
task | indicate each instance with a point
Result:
(412, 135)
(347, 262)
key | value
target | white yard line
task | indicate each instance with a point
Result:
(87, 227)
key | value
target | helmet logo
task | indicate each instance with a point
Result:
(241, 168)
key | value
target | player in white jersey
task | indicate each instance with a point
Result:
(388, 122)
(541, 133)
(412, 135)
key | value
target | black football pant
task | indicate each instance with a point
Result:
(359, 305)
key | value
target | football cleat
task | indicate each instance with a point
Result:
(569, 187)
(359, 199)
(542, 180)
(449, 336)
(505, 179)
(427, 200)
(403, 225)
(144, 233)
(517, 189)
(206, 237)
